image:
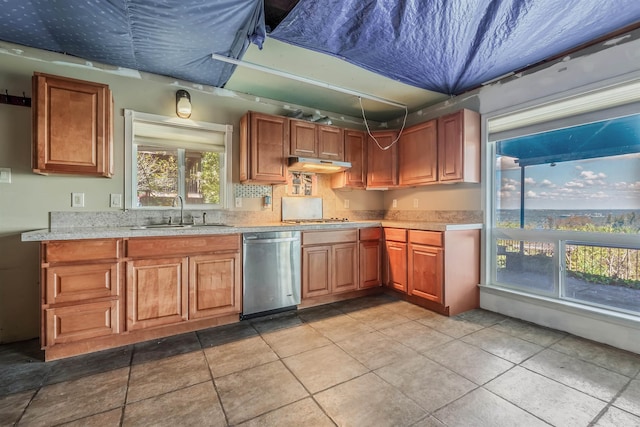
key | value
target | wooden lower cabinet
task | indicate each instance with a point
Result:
(370, 252)
(213, 290)
(157, 292)
(344, 258)
(397, 265)
(103, 293)
(316, 271)
(425, 272)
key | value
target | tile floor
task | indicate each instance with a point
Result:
(373, 361)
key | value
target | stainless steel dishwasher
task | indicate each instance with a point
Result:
(271, 272)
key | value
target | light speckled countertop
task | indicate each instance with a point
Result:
(77, 233)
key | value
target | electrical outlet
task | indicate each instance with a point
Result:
(346, 203)
(238, 202)
(77, 200)
(115, 200)
(415, 203)
(394, 204)
(5, 175)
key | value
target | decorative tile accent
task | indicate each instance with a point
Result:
(251, 191)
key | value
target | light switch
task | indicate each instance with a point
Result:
(77, 200)
(5, 175)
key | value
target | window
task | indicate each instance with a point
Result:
(169, 157)
(565, 214)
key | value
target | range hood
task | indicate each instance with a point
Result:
(311, 165)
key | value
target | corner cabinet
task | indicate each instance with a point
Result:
(382, 165)
(418, 154)
(370, 257)
(439, 270)
(103, 293)
(72, 127)
(264, 148)
(459, 147)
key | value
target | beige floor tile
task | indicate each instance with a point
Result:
(425, 382)
(11, 406)
(502, 345)
(105, 419)
(451, 326)
(429, 421)
(615, 417)
(378, 317)
(629, 400)
(469, 361)
(586, 377)
(258, 390)
(324, 367)
(70, 400)
(375, 350)
(165, 375)
(369, 401)
(302, 413)
(321, 312)
(482, 408)
(417, 336)
(481, 317)
(529, 332)
(551, 401)
(408, 310)
(196, 405)
(287, 342)
(340, 328)
(620, 361)
(239, 355)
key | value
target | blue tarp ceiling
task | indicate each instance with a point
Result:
(450, 46)
(447, 46)
(169, 37)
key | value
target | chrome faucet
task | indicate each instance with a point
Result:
(179, 197)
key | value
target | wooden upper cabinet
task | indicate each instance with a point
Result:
(264, 148)
(382, 165)
(418, 154)
(330, 142)
(72, 126)
(355, 152)
(303, 138)
(459, 147)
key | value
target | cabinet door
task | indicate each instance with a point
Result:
(397, 265)
(316, 271)
(459, 147)
(72, 122)
(426, 272)
(418, 154)
(330, 143)
(80, 282)
(345, 267)
(355, 152)
(370, 263)
(214, 285)
(382, 165)
(303, 139)
(263, 148)
(156, 292)
(80, 322)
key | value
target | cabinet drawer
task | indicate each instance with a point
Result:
(324, 237)
(429, 238)
(395, 234)
(81, 322)
(180, 245)
(373, 233)
(80, 250)
(81, 282)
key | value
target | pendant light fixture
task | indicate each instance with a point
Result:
(183, 104)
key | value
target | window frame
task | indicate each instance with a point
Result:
(617, 105)
(130, 193)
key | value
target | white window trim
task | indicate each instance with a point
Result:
(179, 124)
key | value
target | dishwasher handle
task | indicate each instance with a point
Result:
(253, 240)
